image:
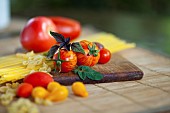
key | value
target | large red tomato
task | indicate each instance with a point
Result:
(67, 27)
(69, 59)
(36, 34)
(38, 79)
(91, 56)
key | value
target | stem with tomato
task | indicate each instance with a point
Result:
(58, 61)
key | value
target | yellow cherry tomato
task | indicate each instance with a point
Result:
(79, 89)
(39, 92)
(58, 94)
(53, 86)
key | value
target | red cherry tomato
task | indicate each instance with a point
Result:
(38, 79)
(105, 56)
(24, 90)
(67, 27)
(70, 60)
(36, 34)
(87, 59)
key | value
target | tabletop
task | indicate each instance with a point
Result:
(150, 94)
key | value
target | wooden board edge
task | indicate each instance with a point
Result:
(113, 77)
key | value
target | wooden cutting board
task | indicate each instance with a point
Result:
(117, 69)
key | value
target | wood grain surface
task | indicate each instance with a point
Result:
(117, 69)
(151, 94)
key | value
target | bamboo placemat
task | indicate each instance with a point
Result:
(151, 94)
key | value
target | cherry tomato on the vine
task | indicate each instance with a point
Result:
(65, 61)
(105, 56)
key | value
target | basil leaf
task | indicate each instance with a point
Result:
(90, 75)
(82, 75)
(67, 47)
(58, 37)
(67, 40)
(86, 68)
(62, 44)
(86, 71)
(52, 51)
(76, 47)
(97, 75)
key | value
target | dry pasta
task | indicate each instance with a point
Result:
(22, 106)
(7, 93)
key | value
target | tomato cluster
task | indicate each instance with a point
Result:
(67, 60)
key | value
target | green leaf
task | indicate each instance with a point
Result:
(90, 75)
(86, 68)
(82, 75)
(97, 75)
(76, 47)
(94, 75)
(86, 71)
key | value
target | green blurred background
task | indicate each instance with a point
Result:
(145, 22)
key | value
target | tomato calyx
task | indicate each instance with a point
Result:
(93, 51)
